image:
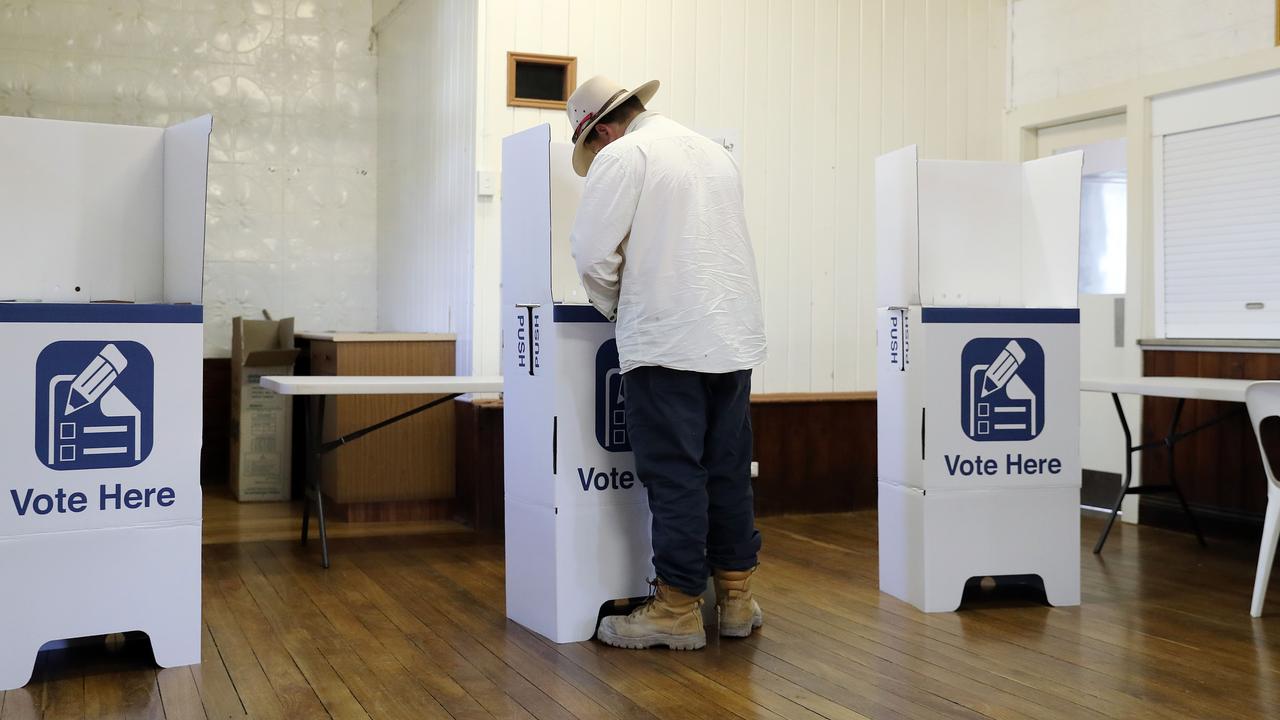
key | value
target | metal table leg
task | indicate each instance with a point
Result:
(315, 451)
(317, 447)
(1128, 474)
(1168, 442)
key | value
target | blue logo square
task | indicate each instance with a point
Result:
(1002, 389)
(611, 401)
(95, 402)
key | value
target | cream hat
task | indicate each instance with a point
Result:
(593, 100)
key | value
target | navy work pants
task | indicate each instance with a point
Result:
(691, 434)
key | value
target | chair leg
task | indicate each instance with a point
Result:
(1266, 553)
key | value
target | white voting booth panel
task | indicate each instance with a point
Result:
(577, 519)
(978, 374)
(100, 524)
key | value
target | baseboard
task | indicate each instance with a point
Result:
(1163, 511)
(1099, 489)
(395, 511)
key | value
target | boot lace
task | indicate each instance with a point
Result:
(648, 601)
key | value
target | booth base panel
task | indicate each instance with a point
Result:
(562, 567)
(97, 582)
(932, 543)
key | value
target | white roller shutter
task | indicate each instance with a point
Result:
(1221, 231)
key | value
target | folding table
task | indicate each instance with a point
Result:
(1182, 388)
(319, 387)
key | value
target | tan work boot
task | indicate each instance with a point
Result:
(669, 618)
(739, 611)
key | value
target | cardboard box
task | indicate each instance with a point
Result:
(978, 374)
(261, 420)
(101, 515)
(577, 517)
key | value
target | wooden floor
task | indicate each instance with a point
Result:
(413, 627)
(228, 521)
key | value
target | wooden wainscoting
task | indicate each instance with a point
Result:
(817, 453)
(215, 453)
(479, 500)
(1219, 469)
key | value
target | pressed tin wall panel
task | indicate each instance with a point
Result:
(292, 174)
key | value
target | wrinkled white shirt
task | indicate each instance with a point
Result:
(661, 243)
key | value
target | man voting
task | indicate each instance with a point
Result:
(660, 241)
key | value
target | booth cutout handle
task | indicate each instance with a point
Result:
(529, 308)
(922, 451)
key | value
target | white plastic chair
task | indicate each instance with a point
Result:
(1263, 401)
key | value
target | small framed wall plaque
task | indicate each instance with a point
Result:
(540, 81)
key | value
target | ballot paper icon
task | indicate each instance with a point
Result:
(611, 401)
(94, 404)
(1002, 389)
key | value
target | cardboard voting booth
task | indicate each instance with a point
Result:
(577, 518)
(978, 375)
(261, 419)
(100, 503)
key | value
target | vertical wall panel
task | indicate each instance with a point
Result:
(608, 43)
(826, 215)
(892, 84)
(914, 50)
(848, 195)
(706, 65)
(870, 146)
(816, 90)
(997, 68)
(680, 84)
(957, 79)
(755, 146)
(935, 80)
(426, 145)
(658, 37)
(804, 142)
(977, 96)
(777, 197)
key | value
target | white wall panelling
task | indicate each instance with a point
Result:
(426, 165)
(1066, 47)
(817, 89)
(290, 83)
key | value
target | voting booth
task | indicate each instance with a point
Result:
(577, 518)
(978, 375)
(100, 437)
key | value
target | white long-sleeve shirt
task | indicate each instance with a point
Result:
(661, 243)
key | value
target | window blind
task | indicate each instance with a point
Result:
(1221, 231)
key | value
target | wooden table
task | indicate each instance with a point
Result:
(318, 387)
(406, 472)
(1182, 388)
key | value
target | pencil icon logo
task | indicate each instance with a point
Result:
(95, 402)
(998, 373)
(1002, 389)
(97, 377)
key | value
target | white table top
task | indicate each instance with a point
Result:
(380, 384)
(1220, 389)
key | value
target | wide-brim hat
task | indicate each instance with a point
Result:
(593, 100)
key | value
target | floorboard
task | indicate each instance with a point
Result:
(412, 626)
